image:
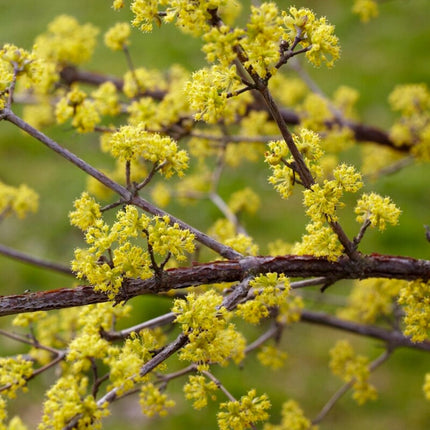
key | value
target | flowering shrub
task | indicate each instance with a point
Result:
(170, 136)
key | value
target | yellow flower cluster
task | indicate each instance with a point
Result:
(192, 17)
(145, 11)
(371, 299)
(220, 44)
(205, 322)
(320, 241)
(117, 37)
(199, 389)
(426, 386)
(314, 34)
(86, 213)
(106, 99)
(414, 299)
(111, 256)
(271, 291)
(413, 127)
(133, 142)
(18, 200)
(207, 94)
(315, 112)
(283, 176)
(126, 361)
(365, 9)
(153, 402)
(14, 373)
(68, 398)
(244, 413)
(354, 369)
(245, 200)
(66, 41)
(76, 105)
(323, 200)
(272, 357)
(28, 67)
(88, 344)
(224, 231)
(263, 33)
(293, 418)
(378, 210)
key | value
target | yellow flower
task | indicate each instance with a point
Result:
(352, 368)
(243, 413)
(378, 210)
(117, 37)
(365, 9)
(66, 41)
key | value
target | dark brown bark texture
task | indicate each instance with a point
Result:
(369, 266)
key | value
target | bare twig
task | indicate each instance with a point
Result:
(272, 332)
(342, 390)
(394, 338)
(29, 259)
(218, 383)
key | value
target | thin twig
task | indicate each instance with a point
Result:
(218, 383)
(272, 332)
(29, 259)
(342, 390)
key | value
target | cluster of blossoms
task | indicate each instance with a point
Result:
(353, 369)
(112, 256)
(257, 46)
(243, 413)
(372, 299)
(225, 232)
(366, 9)
(292, 417)
(414, 299)
(22, 66)
(67, 399)
(131, 143)
(217, 95)
(281, 162)
(271, 291)
(212, 339)
(67, 41)
(413, 103)
(18, 200)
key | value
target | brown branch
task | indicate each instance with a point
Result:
(371, 266)
(394, 338)
(71, 74)
(29, 259)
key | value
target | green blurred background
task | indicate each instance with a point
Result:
(389, 50)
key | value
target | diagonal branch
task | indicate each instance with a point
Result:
(125, 194)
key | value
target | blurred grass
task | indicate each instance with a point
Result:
(375, 57)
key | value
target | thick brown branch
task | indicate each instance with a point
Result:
(371, 266)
